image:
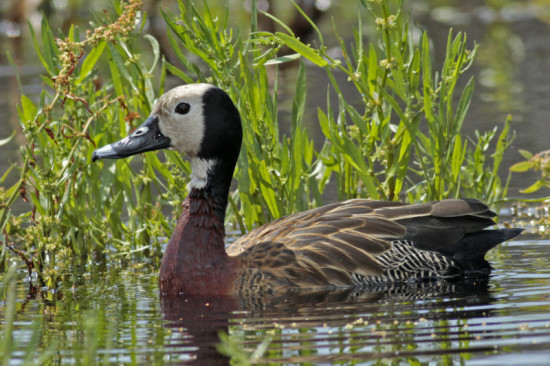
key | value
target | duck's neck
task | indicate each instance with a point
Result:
(213, 178)
(195, 261)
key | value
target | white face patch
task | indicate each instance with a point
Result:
(199, 172)
(185, 131)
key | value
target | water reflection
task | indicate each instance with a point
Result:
(197, 322)
(401, 321)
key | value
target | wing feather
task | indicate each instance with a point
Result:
(332, 244)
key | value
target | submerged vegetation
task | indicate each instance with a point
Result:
(401, 141)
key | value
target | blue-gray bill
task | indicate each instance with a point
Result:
(146, 138)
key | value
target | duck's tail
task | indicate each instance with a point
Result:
(470, 252)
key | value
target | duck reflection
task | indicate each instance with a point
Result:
(197, 321)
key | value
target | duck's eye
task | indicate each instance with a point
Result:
(183, 108)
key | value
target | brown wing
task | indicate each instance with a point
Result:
(330, 244)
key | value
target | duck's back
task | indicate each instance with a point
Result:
(361, 242)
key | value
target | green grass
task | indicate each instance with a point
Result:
(403, 142)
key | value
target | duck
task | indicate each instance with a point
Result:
(350, 244)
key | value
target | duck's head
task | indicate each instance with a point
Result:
(198, 120)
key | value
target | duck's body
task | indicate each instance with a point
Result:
(351, 243)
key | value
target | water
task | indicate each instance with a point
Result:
(112, 313)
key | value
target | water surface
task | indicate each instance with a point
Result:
(113, 314)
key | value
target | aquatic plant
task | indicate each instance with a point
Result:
(403, 141)
(70, 217)
(539, 162)
(405, 138)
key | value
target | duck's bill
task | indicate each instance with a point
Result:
(146, 138)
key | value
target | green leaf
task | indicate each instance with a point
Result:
(463, 105)
(427, 78)
(395, 105)
(304, 50)
(526, 154)
(503, 143)
(372, 70)
(182, 58)
(71, 34)
(156, 51)
(299, 101)
(177, 72)
(323, 122)
(117, 81)
(7, 139)
(36, 202)
(283, 59)
(521, 166)
(534, 187)
(357, 119)
(118, 60)
(37, 49)
(266, 188)
(90, 61)
(48, 42)
(7, 172)
(399, 78)
(278, 21)
(457, 158)
(29, 109)
(15, 71)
